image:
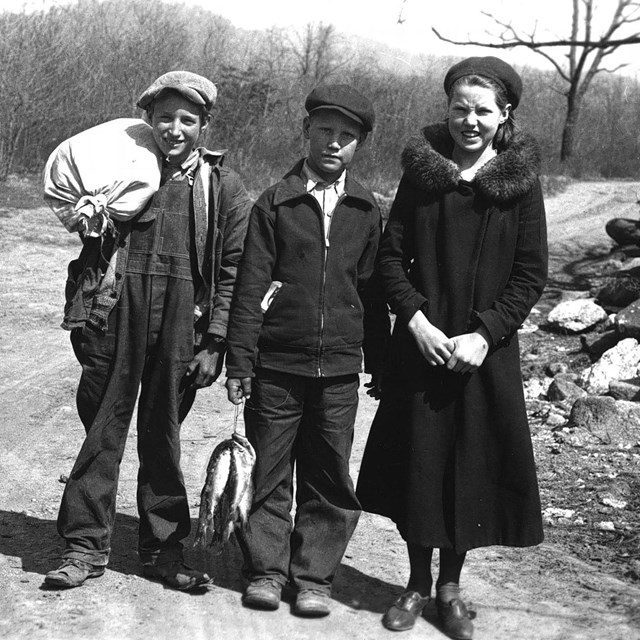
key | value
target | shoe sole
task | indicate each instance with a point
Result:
(166, 582)
(262, 605)
(311, 613)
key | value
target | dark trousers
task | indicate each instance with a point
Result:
(148, 346)
(307, 422)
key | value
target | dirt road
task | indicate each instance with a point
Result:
(537, 594)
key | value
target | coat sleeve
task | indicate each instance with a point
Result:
(376, 315)
(235, 206)
(528, 273)
(254, 278)
(396, 254)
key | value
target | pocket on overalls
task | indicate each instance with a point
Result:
(174, 235)
(141, 237)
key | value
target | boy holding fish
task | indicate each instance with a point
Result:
(131, 313)
(295, 351)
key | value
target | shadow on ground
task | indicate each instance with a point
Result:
(35, 543)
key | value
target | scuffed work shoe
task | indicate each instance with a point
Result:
(176, 575)
(312, 603)
(72, 573)
(262, 593)
(455, 619)
(403, 613)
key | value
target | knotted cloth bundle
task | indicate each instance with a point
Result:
(107, 172)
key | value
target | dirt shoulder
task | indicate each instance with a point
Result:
(551, 592)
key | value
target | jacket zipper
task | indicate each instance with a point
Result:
(324, 277)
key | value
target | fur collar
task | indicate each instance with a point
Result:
(503, 180)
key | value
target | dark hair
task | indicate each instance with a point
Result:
(508, 128)
(203, 113)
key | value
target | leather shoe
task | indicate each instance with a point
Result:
(312, 603)
(72, 573)
(403, 613)
(263, 593)
(455, 619)
(176, 575)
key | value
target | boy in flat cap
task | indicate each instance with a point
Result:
(294, 353)
(172, 265)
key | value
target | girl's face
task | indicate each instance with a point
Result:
(474, 118)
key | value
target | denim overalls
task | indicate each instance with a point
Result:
(148, 345)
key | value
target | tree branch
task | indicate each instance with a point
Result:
(517, 42)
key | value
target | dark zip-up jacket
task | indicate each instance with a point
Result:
(314, 324)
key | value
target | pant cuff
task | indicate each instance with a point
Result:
(96, 558)
(161, 556)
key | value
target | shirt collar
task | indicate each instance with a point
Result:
(312, 179)
(186, 169)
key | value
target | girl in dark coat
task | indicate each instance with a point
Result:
(462, 262)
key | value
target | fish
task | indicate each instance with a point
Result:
(227, 494)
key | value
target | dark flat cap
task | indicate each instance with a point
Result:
(192, 86)
(488, 67)
(343, 98)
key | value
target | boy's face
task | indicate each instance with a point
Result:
(333, 141)
(177, 124)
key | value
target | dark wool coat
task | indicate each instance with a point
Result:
(449, 456)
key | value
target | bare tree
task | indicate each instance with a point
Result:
(316, 52)
(585, 52)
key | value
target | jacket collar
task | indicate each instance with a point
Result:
(507, 177)
(211, 157)
(294, 185)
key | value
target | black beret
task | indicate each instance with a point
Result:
(488, 67)
(192, 86)
(345, 99)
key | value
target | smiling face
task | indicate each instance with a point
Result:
(177, 124)
(474, 118)
(333, 141)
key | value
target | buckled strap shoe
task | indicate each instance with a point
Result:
(72, 573)
(455, 619)
(176, 575)
(262, 593)
(312, 603)
(403, 613)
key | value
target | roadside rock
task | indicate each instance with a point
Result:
(554, 368)
(600, 344)
(628, 320)
(625, 389)
(611, 421)
(632, 266)
(619, 363)
(576, 315)
(536, 388)
(563, 387)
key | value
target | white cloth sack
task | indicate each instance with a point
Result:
(108, 171)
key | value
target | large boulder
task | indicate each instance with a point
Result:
(576, 315)
(611, 421)
(618, 363)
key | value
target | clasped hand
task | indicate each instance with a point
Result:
(462, 354)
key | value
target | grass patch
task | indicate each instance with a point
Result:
(21, 192)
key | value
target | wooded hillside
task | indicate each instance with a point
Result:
(75, 66)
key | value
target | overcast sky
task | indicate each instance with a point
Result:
(380, 20)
